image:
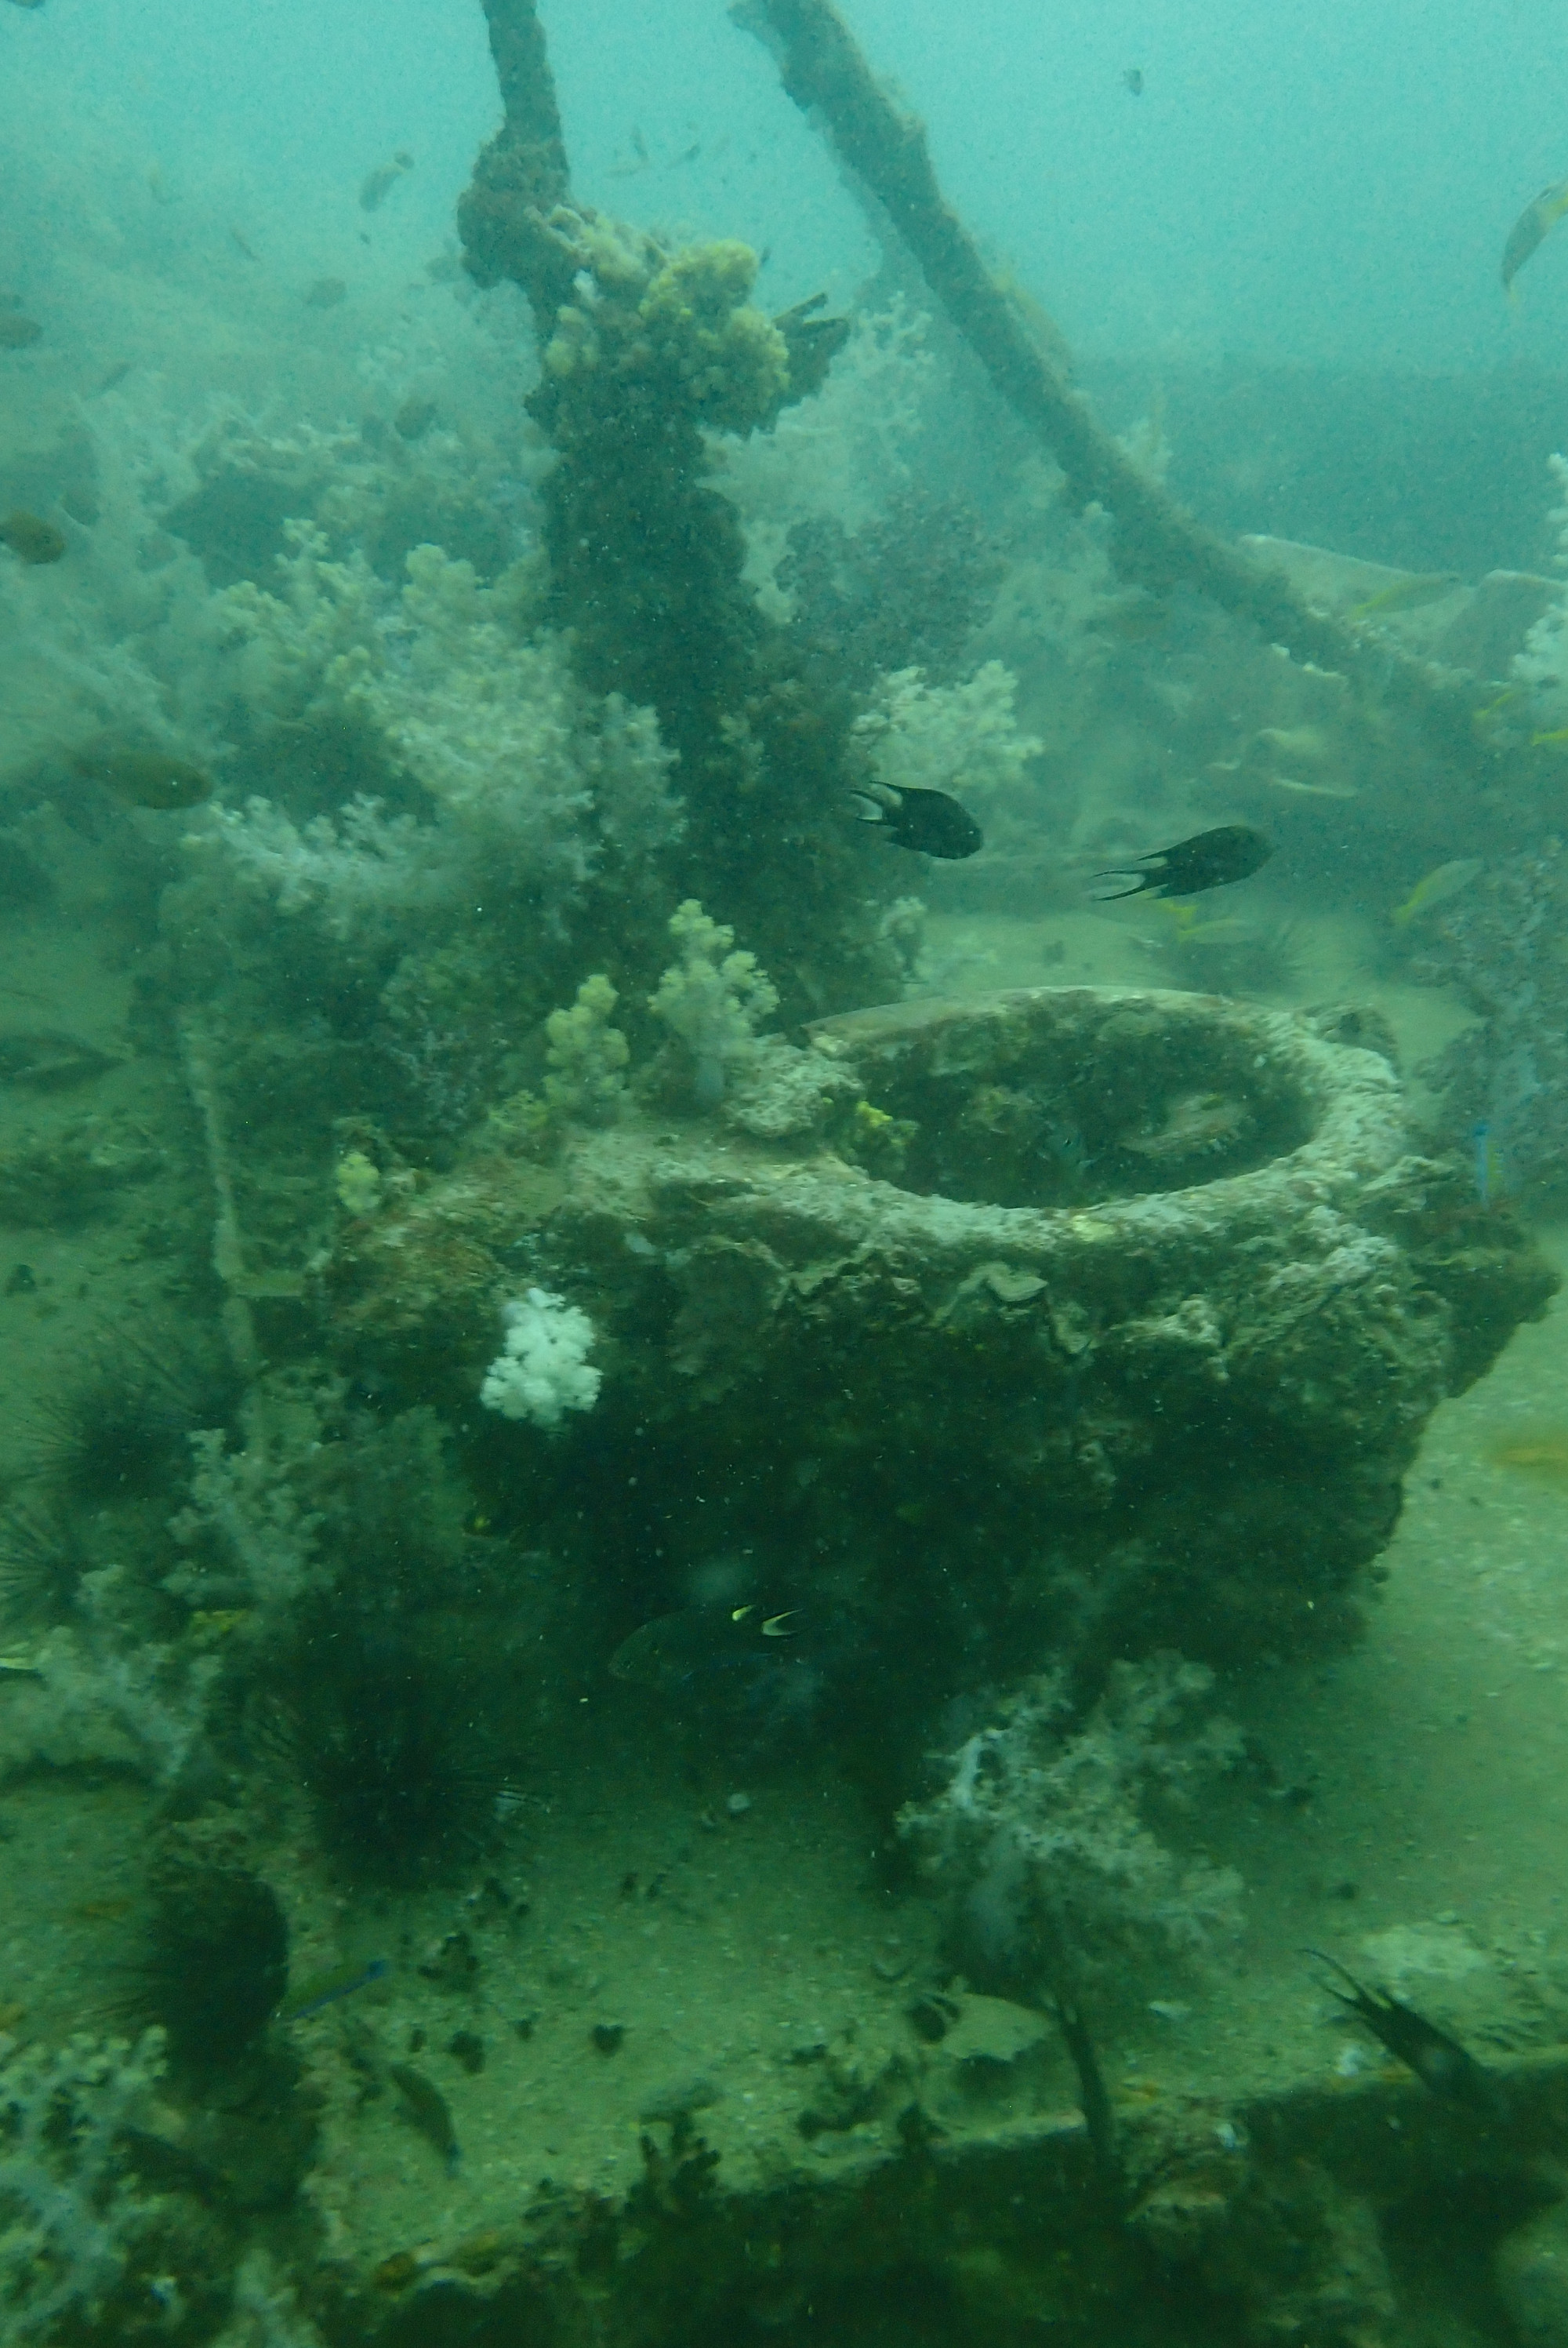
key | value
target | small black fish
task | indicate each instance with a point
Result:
(1439, 2061)
(1132, 80)
(1210, 860)
(929, 823)
(1094, 2101)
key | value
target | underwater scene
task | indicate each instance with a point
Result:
(783, 1174)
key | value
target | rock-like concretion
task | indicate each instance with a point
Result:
(1056, 1322)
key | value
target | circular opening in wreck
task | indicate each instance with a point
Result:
(1060, 1100)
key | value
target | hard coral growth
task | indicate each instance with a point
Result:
(676, 330)
(677, 326)
(651, 349)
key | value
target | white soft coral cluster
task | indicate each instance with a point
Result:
(526, 775)
(1039, 1831)
(487, 723)
(542, 1370)
(712, 999)
(1542, 665)
(292, 657)
(356, 873)
(117, 636)
(944, 737)
(70, 2214)
(840, 454)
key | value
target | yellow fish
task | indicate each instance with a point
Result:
(1406, 594)
(1552, 741)
(1446, 881)
(1184, 919)
(1531, 229)
(1542, 1453)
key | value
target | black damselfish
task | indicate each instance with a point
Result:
(1439, 2061)
(1208, 861)
(929, 822)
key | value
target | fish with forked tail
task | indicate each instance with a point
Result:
(1209, 859)
(928, 822)
(1439, 2061)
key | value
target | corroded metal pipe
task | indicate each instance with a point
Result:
(522, 176)
(1158, 543)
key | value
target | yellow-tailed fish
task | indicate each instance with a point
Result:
(1405, 594)
(1531, 229)
(1445, 882)
(1552, 741)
